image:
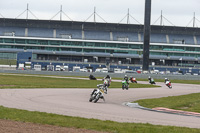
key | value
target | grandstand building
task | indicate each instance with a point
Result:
(106, 43)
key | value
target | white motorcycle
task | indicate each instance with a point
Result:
(106, 82)
(168, 84)
(97, 93)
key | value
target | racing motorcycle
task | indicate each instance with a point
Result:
(133, 80)
(97, 93)
(92, 77)
(151, 81)
(106, 82)
(124, 85)
(168, 84)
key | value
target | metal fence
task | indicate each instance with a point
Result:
(113, 75)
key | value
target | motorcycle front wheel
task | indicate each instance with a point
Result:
(123, 87)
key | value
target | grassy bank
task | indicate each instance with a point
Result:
(189, 102)
(91, 124)
(17, 81)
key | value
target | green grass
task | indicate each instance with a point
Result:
(189, 102)
(90, 124)
(67, 121)
(17, 81)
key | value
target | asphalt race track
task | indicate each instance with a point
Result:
(74, 102)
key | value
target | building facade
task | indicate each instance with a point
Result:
(107, 43)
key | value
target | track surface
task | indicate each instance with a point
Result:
(74, 102)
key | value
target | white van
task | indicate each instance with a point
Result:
(118, 70)
(58, 68)
(98, 70)
(37, 67)
(65, 68)
(76, 68)
(105, 70)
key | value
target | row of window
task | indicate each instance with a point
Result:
(7, 55)
(99, 44)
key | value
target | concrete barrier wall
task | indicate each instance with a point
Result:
(116, 75)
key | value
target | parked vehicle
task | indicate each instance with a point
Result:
(118, 70)
(58, 68)
(97, 93)
(76, 68)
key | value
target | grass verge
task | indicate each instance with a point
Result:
(18, 81)
(189, 102)
(91, 124)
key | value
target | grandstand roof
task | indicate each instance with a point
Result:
(96, 26)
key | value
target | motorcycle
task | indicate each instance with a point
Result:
(133, 80)
(168, 84)
(97, 93)
(151, 81)
(124, 85)
(106, 82)
(91, 77)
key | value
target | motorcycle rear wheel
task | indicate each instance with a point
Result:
(96, 99)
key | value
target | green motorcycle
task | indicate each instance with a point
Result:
(125, 85)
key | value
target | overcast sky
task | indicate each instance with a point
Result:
(178, 12)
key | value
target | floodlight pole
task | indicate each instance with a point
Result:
(94, 14)
(161, 18)
(147, 28)
(27, 12)
(60, 12)
(128, 17)
(194, 20)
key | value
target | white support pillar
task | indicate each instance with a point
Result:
(54, 33)
(26, 32)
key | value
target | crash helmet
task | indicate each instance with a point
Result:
(149, 77)
(125, 75)
(165, 78)
(108, 76)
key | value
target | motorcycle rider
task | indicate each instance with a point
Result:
(166, 79)
(131, 77)
(100, 85)
(108, 78)
(150, 79)
(126, 79)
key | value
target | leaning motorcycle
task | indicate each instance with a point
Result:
(133, 80)
(106, 82)
(168, 84)
(124, 85)
(92, 77)
(97, 93)
(151, 81)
